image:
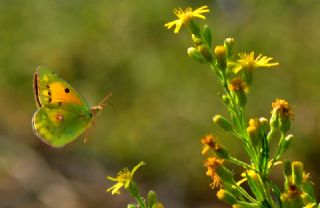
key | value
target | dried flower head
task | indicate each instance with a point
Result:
(281, 114)
(212, 163)
(282, 108)
(237, 84)
(208, 142)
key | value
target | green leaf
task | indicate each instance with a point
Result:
(264, 155)
(255, 185)
(276, 192)
(308, 188)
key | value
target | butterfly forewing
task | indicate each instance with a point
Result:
(50, 88)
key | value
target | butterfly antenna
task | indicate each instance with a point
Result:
(105, 101)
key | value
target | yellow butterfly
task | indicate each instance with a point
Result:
(62, 114)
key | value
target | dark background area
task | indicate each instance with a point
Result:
(163, 100)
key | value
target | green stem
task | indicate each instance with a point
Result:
(240, 163)
(270, 134)
(237, 113)
(246, 195)
(278, 152)
(135, 193)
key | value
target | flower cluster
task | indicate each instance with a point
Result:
(235, 75)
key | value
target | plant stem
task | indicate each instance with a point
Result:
(135, 193)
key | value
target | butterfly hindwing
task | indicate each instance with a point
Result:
(50, 88)
(58, 124)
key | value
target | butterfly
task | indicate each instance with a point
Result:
(62, 114)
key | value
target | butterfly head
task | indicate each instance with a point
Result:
(98, 108)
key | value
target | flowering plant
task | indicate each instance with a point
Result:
(235, 75)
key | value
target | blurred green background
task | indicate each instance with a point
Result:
(163, 100)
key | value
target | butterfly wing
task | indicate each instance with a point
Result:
(60, 124)
(50, 88)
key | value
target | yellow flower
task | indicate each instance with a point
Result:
(123, 179)
(248, 62)
(184, 16)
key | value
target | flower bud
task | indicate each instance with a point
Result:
(281, 115)
(264, 124)
(195, 54)
(239, 87)
(221, 151)
(256, 185)
(252, 132)
(206, 35)
(225, 175)
(226, 196)
(152, 198)
(242, 98)
(204, 50)
(286, 143)
(222, 123)
(220, 53)
(228, 44)
(297, 173)
(196, 40)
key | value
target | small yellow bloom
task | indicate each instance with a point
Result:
(248, 62)
(123, 179)
(253, 128)
(184, 16)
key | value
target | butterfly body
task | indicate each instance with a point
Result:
(62, 114)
